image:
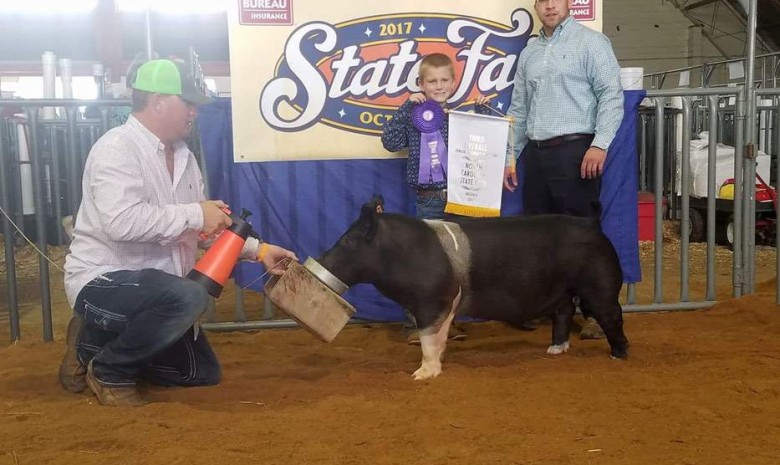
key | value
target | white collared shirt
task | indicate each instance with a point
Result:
(131, 215)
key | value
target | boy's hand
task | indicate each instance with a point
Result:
(272, 255)
(510, 178)
(482, 100)
(419, 97)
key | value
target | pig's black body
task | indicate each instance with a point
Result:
(527, 267)
(519, 269)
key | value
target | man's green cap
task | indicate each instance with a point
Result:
(170, 78)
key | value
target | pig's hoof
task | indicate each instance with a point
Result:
(619, 354)
(558, 349)
(427, 372)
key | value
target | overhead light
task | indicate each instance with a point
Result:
(47, 6)
(187, 7)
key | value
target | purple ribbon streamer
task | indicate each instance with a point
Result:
(428, 118)
(433, 158)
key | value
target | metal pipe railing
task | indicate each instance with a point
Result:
(775, 94)
(685, 187)
(714, 96)
(658, 195)
(771, 75)
(750, 139)
(711, 195)
(73, 163)
(8, 239)
(47, 193)
(40, 222)
(737, 261)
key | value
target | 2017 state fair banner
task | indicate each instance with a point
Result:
(314, 80)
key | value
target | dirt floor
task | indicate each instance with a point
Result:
(700, 387)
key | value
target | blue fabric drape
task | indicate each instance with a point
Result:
(619, 190)
(306, 205)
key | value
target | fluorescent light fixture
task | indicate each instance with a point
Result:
(47, 6)
(187, 7)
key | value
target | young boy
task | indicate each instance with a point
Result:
(437, 83)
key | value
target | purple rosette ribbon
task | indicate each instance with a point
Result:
(428, 118)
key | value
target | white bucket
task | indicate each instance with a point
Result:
(631, 78)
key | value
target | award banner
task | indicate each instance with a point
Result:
(314, 80)
(477, 150)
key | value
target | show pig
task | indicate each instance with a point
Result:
(507, 269)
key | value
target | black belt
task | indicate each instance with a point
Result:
(560, 140)
(428, 193)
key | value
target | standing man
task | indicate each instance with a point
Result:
(567, 105)
(136, 236)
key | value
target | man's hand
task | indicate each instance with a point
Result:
(593, 163)
(510, 178)
(272, 255)
(418, 97)
(215, 220)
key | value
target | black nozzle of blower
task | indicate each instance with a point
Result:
(244, 215)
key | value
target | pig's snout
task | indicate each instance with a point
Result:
(323, 274)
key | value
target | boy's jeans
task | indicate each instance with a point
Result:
(139, 324)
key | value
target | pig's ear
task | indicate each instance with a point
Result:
(378, 203)
(368, 220)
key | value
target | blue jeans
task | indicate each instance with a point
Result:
(139, 325)
(431, 208)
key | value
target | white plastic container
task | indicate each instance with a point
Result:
(49, 63)
(631, 78)
(66, 77)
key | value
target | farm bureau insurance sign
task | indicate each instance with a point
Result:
(322, 87)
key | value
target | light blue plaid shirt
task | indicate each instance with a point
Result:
(566, 84)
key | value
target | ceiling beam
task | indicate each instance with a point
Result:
(698, 4)
(743, 21)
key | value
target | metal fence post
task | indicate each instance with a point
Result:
(711, 194)
(738, 269)
(40, 222)
(8, 238)
(777, 184)
(73, 163)
(685, 180)
(750, 133)
(659, 193)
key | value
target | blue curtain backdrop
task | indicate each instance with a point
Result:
(620, 189)
(306, 205)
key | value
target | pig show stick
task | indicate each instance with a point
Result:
(283, 261)
(29, 241)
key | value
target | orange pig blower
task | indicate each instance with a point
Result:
(214, 268)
